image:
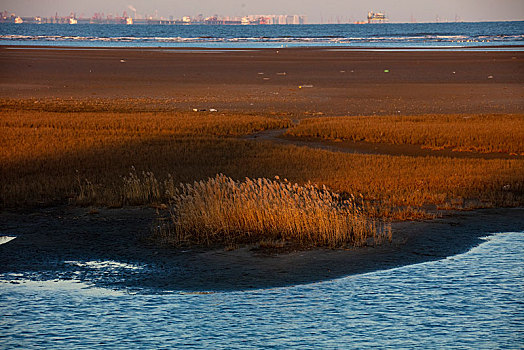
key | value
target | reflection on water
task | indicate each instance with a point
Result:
(473, 300)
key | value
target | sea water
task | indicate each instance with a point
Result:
(469, 301)
(416, 35)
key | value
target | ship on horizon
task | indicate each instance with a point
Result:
(377, 17)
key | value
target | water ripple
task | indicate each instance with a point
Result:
(473, 300)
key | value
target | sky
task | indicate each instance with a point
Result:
(317, 11)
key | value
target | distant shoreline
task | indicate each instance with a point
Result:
(303, 24)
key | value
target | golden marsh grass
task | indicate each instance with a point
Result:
(52, 157)
(474, 133)
(222, 211)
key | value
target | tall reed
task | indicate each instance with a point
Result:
(222, 211)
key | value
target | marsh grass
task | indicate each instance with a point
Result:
(48, 157)
(473, 133)
(87, 158)
(220, 211)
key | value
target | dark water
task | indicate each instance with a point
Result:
(421, 35)
(469, 301)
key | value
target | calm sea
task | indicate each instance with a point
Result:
(422, 35)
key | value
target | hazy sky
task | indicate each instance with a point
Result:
(316, 10)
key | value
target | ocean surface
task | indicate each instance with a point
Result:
(422, 35)
(470, 301)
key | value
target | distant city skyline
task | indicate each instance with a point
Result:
(328, 11)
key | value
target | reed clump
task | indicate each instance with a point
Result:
(472, 133)
(220, 211)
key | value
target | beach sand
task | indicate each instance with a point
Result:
(296, 83)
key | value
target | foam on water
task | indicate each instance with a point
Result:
(108, 265)
(57, 286)
(5, 239)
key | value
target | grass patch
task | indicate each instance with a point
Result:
(473, 133)
(46, 157)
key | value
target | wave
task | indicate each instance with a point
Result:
(264, 39)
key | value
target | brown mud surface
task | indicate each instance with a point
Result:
(53, 244)
(316, 81)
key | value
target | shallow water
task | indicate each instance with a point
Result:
(473, 300)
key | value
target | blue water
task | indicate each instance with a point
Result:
(422, 35)
(469, 301)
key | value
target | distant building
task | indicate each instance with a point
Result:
(100, 18)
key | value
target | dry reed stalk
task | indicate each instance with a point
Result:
(221, 211)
